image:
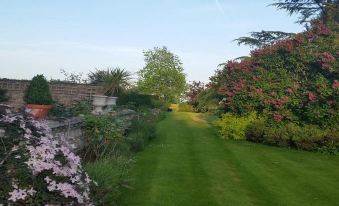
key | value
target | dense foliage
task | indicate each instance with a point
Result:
(79, 107)
(193, 91)
(112, 175)
(110, 143)
(202, 98)
(135, 100)
(233, 127)
(162, 75)
(290, 81)
(103, 137)
(293, 80)
(307, 137)
(37, 168)
(142, 130)
(38, 92)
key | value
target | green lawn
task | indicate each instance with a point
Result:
(187, 164)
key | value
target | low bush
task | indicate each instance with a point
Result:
(135, 100)
(233, 127)
(108, 148)
(103, 137)
(111, 176)
(60, 111)
(140, 134)
(306, 137)
(82, 107)
(143, 129)
(184, 107)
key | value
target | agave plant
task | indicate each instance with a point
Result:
(114, 79)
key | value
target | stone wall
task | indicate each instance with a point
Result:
(62, 92)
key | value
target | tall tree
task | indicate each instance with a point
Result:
(163, 75)
(325, 10)
(308, 10)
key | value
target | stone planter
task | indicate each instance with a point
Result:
(99, 102)
(110, 102)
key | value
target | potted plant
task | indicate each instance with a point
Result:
(38, 97)
(114, 81)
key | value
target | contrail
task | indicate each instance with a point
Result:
(217, 3)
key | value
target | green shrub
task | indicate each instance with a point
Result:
(208, 101)
(3, 95)
(233, 127)
(136, 100)
(280, 137)
(254, 132)
(307, 137)
(142, 130)
(38, 92)
(103, 137)
(136, 141)
(111, 175)
(184, 107)
(83, 107)
(60, 111)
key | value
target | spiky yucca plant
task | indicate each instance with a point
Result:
(114, 79)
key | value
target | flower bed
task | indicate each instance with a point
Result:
(36, 168)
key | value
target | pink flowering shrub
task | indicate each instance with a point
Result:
(293, 80)
(37, 168)
(293, 84)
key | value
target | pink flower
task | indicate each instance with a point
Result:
(255, 78)
(277, 116)
(31, 191)
(289, 90)
(230, 94)
(41, 150)
(296, 86)
(325, 60)
(335, 84)
(47, 179)
(312, 97)
(17, 194)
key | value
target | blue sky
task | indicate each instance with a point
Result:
(44, 36)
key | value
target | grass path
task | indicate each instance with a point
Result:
(188, 165)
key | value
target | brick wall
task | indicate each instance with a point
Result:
(62, 92)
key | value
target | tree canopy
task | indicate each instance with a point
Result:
(309, 10)
(163, 75)
(327, 11)
(263, 38)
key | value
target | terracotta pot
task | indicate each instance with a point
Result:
(39, 111)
